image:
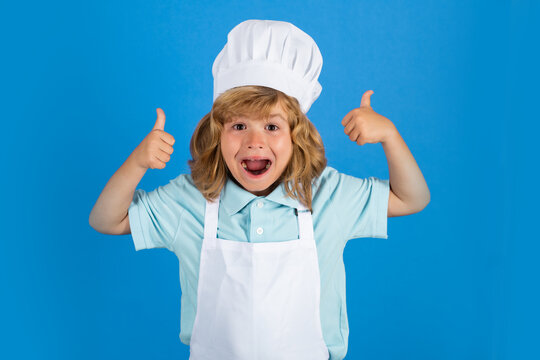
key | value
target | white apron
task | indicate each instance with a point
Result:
(258, 301)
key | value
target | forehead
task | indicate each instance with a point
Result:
(276, 114)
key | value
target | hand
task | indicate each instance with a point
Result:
(363, 125)
(155, 150)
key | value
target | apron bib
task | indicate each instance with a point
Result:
(258, 301)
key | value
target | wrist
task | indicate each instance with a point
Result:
(391, 135)
(133, 164)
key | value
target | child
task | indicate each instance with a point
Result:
(260, 224)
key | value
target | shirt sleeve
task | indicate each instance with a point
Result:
(362, 205)
(154, 217)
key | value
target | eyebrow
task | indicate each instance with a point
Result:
(277, 115)
(269, 116)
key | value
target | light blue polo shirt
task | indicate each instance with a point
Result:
(344, 207)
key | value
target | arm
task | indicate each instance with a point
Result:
(110, 213)
(408, 189)
(409, 192)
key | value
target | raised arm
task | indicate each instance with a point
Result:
(409, 193)
(110, 213)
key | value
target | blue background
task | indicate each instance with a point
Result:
(80, 84)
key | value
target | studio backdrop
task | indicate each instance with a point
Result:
(80, 83)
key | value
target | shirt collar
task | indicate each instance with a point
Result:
(234, 197)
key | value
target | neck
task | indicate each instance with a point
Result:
(264, 192)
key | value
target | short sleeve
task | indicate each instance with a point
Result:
(154, 217)
(362, 206)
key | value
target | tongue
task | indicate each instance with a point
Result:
(254, 165)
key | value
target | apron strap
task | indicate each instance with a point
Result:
(305, 225)
(211, 218)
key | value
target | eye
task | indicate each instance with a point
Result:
(234, 126)
(275, 126)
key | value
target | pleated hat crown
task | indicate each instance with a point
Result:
(270, 53)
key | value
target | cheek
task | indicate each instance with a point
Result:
(228, 149)
(225, 145)
(285, 149)
(226, 156)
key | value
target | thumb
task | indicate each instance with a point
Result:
(366, 99)
(160, 122)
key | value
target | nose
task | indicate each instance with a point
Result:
(255, 139)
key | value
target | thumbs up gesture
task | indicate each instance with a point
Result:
(156, 148)
(363, 125)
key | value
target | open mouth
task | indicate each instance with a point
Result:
(256, 167)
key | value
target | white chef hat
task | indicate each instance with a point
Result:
(270, 53)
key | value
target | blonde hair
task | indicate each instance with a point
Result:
(208, 168)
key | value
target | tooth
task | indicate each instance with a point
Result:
(268, 165)
(244, 165)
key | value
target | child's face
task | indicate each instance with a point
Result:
(247, 138)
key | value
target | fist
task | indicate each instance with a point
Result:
(156, 148)
(363, 125)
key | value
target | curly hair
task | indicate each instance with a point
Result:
(208, 168)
